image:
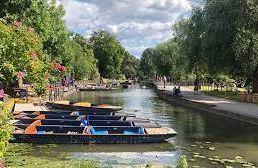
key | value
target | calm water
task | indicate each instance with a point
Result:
(198, 134)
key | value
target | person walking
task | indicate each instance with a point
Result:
(196, 85)
(164, 79)
(1, 91)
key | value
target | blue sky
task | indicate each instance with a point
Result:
(138, 24)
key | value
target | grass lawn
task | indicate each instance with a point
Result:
(223, 94)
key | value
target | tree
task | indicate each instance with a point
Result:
(109, 52)
(22, 57)
(84, 62)
(45, 17)
(189, 34)
(130, 66)
(231, 37)
(147, 64)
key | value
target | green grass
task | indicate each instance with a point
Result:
(40, 162)
(223, 94)
(23, 156)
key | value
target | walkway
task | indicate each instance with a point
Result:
(29, 107)
(241, 108)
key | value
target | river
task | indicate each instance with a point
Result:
(201, 137)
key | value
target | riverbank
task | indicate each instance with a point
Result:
(232, 109)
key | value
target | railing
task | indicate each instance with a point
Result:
(55, 93)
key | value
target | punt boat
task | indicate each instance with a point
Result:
(85, 106)
(96, 89)
(72, 117)
(59, 134)
(125, 84)
(72, 113)
(86, 122)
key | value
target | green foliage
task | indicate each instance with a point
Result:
(164, 59)
(84, 62)
(221, 37)
(46, 18)
(109, 52)
(147, 65)
(149, 165)
(17, 47)
(182, 162)
(130, 66)
(5, 126)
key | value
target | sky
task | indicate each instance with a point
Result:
(138, 24)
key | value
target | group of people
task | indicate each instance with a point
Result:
(176, 91)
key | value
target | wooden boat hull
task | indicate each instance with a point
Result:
(78, 108)
(75, 117)
(69, 112)
(89, 139)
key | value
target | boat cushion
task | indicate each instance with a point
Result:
(41, 132)
(141, 130)
(130, 133)
(82, 104)
(31, 129)
(99, 132)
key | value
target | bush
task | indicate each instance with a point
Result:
(5, 126)
(182, 162)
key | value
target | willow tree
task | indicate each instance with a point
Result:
(231, 37)
(147, 63)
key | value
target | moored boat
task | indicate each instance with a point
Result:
(125, 84)
(72, 113)
(72, 117)
(96, 89)
(86, 106)
(37, 133)
(86, 122)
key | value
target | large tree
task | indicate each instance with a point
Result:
(47, 20)
(130, 66)
(84, 63)
(231, 37)
(147, 64)
(109, 52)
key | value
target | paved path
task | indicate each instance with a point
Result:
(242, 108)
(29, 107)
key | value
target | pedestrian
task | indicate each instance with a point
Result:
(174, 90)
(196, 86)
(1, 91)
(164, 79)
(179, 90)
(63, 81)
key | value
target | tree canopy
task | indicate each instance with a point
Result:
(220, 38)
(109, 52)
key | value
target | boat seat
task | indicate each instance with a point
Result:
(94, 132)
(130, 133)
(140, 131)
(41, 132)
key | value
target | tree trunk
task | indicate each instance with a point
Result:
(255, 80)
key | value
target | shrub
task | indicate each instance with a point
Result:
(5, 126)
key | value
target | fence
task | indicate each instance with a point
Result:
(249, 98)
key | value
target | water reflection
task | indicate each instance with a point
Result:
(230, 138)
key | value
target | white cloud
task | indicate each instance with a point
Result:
(137, 23)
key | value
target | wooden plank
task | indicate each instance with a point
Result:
(160, 131)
